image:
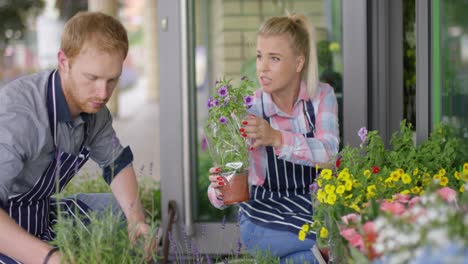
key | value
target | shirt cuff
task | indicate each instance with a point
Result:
(123, 160)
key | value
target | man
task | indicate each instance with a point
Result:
(50, 124)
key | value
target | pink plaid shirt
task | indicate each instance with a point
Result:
(295, 148)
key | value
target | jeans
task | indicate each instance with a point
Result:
(278, 244)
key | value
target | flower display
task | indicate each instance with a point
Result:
(371, 180)
(226, 108)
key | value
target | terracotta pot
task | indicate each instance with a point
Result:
(236, 188)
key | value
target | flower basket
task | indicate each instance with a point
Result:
(228, 147)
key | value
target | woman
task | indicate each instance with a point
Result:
(294, 128)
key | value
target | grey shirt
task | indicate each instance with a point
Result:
(26, 143)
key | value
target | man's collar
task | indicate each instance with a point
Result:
(63, 111)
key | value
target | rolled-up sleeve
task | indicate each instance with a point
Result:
(324, 146)
(105, 147)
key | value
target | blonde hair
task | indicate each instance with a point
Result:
(302, 40)
(104, 31)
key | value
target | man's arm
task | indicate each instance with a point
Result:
(16, 243)
(125, 189)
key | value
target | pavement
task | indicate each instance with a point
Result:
(136, 125)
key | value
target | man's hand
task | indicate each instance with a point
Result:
(260, 132)
(142, 230)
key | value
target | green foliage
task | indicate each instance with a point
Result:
(227, 107)
(148, 191)
(371, 173)
(104, 240)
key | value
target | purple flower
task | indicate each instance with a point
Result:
(204, 144)
(223, 120)
(209, 102)
(248, 100)
(313, 187)
(215, 102)
(226, 100)
(362, 134)
(216, 82)
(223, 91)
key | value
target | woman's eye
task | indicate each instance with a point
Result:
(259, 57)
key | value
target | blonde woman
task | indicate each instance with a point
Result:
(294, 127)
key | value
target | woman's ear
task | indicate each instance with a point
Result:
(300, 60)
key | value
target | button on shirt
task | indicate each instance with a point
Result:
(26, 143)
(295, 147)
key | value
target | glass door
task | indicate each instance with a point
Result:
(223, 45)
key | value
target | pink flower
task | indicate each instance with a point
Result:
(448, 194)
(370, 232)
(414, 200)
(403, 198)
(349, 218)
(394, 208)
(353, 237)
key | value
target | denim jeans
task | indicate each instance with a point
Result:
(279, 244)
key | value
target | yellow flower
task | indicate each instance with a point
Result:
(321, 195)
(395, 175)
(415, 172)
(305, 227)
(319, 182)
(331, 199)
(355, 208)
(348, 185)
(443, 181)
(302, 235)
(462, 188)
(371, 188)
(406, 178)
(442, 172)
(465, 176)
(344, 175)
(436, 177)
(457, 175)
(323, 232)
(334, 46)
(400, 171)
(330, 189)
(465, 168)
(405, 192)
(367, 173)
(340, 189)
(415, 190)
(326, 174)
(349, 197)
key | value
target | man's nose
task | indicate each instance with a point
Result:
(102, 90)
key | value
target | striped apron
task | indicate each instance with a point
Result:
(35, 210)
(284, 200)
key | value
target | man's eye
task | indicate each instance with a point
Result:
(275, 58)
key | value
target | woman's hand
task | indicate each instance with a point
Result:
(217, 181)
(261, 133)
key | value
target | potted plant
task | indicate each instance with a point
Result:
(228, 148)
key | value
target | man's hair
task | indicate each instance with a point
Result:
(103, 31)
(297, 28)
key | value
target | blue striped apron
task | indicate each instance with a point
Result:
(35, 210)
(284, 201)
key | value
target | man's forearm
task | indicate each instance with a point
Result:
(16, 243)
(125, 189)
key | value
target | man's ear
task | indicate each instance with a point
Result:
(63, 62)
(300, 60)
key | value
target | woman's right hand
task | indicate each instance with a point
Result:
(217, 181)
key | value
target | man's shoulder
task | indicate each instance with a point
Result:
(26, 89)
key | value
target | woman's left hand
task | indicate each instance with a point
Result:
(142, 230)
(260, 131)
